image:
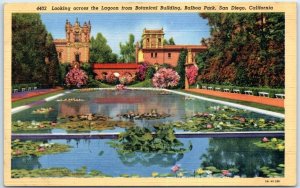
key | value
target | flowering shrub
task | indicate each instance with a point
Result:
(101, 77)
(120, 87)
(111, 78)
(141, 71)
(191, 73)
(165, 78)
(76, 77)
(126, 78)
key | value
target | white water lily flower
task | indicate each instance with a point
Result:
(208, 172)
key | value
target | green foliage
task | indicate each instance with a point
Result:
(63, 69)
(139, 139)
(150, 72)
(100, 51)
(127, 50)
(74, 125)
(145, 83)
(27, 148)
(226, 119)
(244, 49)
(170, 42)
(34, 57)
(273, 144)
(271, 172)
(56, 172)
(180, 68)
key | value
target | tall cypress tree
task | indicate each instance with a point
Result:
(180, 68)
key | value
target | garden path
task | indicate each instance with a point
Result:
(28, 94)
(242, 97)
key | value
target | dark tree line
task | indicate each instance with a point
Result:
(34, 57)
(245, 49)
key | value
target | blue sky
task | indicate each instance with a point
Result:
(185, 28)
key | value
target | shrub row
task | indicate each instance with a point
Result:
(254, 90)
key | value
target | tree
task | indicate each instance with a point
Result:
(170, 42)
(127, 50)
(100, 51)
(245, 49)
(180, 68)
(53, 63)
(32, 48)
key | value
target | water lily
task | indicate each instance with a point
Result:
(265, 139)
(175, 168)
(274, 140)
(199, 171)
(41, 149)
(18, 152)
(209, 126)
(226, 173)
(208, 172)
(180, 174)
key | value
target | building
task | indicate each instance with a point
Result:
(76, 46)
(153, 51)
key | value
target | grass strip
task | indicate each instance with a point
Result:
(34, 99)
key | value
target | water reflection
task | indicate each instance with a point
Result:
(26, 162)
(150, 159)
(240, 153)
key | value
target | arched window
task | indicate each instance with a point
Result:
(77, 37)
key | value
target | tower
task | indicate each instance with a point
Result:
(75, 48)
(153, 38)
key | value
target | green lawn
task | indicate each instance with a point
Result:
(145, 83)
(256, 105)
(33, 99)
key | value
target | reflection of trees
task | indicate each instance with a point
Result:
(240, 153)
(150, 159)
(26, 162)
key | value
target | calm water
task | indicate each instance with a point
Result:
(97, 154)
(112, 103)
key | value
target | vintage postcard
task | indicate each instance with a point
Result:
(150, 94)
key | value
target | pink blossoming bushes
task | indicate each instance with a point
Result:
(76, 77)
(111, 78)
(126, 78)
(191, 73)
(141, 71)
(165, 78)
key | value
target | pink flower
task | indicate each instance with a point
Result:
(209, 126)
(165, 78)
(226, 172)
(76, 77)
(175, 168)
(41, 149)
(141, 71)
(191, 72)
(120, 87)
(265, 139)
(18, 152)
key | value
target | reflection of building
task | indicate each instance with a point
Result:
(153, 50)
(75, 48)
(68, 109)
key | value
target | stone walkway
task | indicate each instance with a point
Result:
(28, 94)
(241, 97)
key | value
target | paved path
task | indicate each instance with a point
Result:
(28, 94)
(241, 97)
